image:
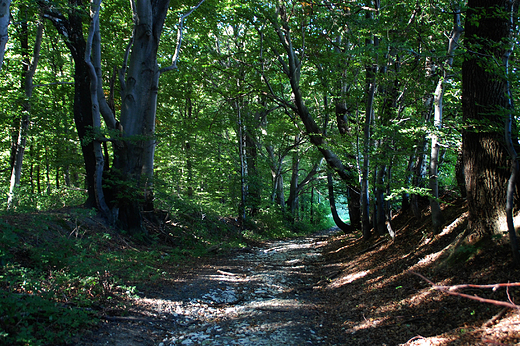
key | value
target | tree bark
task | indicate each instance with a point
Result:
(484, 99)
(511, 184)
(134, 162)
(94, 40)
(4, 24)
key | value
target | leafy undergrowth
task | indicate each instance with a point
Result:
(62, 270)
(374, 297)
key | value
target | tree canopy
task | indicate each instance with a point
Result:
(246, 109)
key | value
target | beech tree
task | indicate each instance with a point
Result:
(485, 103)
(261, 92)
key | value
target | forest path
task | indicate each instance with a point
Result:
(261, 296)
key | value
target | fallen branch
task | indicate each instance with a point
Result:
(451, 290)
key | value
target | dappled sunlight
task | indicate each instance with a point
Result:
(347, 279)
(430, 341)
(365, 324)
(382, 301)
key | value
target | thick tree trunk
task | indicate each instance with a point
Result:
(135, 157)
(484, 99)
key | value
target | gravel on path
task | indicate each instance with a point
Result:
(260, 296)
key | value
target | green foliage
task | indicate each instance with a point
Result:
(29, 319)
(54, 269)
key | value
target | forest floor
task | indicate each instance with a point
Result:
(327, 289)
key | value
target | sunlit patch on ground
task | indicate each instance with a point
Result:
(380, 302)
(348, 279)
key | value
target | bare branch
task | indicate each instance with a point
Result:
(175, 57)
(451, 290)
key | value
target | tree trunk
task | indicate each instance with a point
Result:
(292, 68)
(253, 180)
(4, 24)
(484, 98)
(29, 67)
(292, 201)
(135, 157)
(438, 219)
(380, 210)
(277, 194)
(71, 29)
(332, 202)
(367, 145)
(243, 163)
(94, 40)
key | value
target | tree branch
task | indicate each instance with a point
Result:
(175, 57)
(451, 291)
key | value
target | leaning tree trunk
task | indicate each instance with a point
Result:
(332, 201)
(484, 99)
(292, 68)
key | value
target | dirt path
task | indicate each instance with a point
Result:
(263, 296)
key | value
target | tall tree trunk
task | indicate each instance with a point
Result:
(367, 146)
(4, 24)
(29, 67)
(243, 162)
(95, 40)
(484, 98)
(71, 29)
(292, 201)
(135, 156)
(438, 219)
(511, 184)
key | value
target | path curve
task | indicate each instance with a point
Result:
(260, 296)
